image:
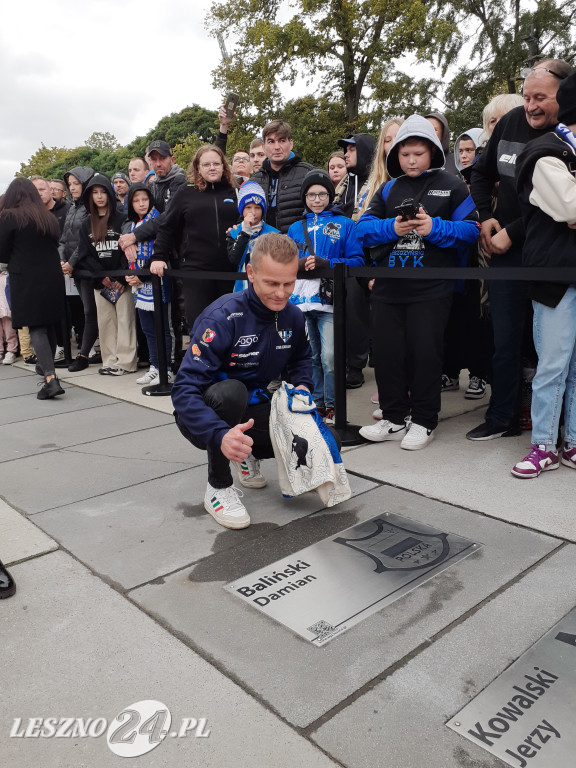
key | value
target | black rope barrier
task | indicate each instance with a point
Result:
(340, 273)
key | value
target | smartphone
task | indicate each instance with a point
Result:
(231, 103)
(407, 209)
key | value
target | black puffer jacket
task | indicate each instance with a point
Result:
(289, 201)
(77, 213)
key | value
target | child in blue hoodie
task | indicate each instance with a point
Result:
(331, 238)
(241, 238)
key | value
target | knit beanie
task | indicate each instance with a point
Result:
(251, 192)
(317, 176)
(120, 175)
(566, 98)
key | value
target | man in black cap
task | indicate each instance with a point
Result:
(358, 154)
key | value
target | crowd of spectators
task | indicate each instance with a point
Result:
(398, 201)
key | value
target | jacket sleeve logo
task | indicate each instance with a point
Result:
(208, 335)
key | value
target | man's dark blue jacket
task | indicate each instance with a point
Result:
(237, 337)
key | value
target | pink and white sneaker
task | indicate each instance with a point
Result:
(538, 460)
(569, 457)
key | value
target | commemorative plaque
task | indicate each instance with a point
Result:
(323, 590)
(526, 716)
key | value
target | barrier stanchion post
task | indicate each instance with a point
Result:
(163, 388)
(349, 433)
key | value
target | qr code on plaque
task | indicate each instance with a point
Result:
(322, 629)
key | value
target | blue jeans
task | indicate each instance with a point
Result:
(555, 340)
(321, 334)
(147, 323)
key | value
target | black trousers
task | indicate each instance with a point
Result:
(357, 323)
(468, 339)
(229, 398)
(198, 294)
(408, 345)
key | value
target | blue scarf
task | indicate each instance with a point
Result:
(567, 134)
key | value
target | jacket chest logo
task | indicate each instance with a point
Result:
(285, 335)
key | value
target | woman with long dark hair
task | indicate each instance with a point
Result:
(98, 251)
(195, 228)
(29, 237)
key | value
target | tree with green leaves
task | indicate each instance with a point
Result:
(341, 47)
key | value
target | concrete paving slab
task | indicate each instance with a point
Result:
(28, 407)
(120, 387)
(266, 655)
(403, 717)
(63, 430)
(16, 386)
(65, 476)
(476, 475)
(20, 539)
(82, 650)
(141, 533)
(15, 371)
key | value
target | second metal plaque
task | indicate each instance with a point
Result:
(323, 590)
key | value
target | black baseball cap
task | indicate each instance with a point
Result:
(161, 147)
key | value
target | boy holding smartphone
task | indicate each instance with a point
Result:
(410, 316)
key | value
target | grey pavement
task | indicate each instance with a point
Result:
(120, 598)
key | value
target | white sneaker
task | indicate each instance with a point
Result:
(377, 414)
(249, 473)
(383, 430)
(9, 358)
(59, 354)
(149, 376)
(225, 506)
(417, 437)
(156, 379)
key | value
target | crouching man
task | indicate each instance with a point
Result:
(239, 345)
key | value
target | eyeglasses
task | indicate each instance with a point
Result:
(240, 159)
(528, 70)
(211, 165)
(317, 196)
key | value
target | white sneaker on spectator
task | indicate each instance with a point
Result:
(377, 414)
(383, 430)
(156, 379)
(9, 358)
(417, 437)
(59, 354)
(249, 473)
(148, 377)
(225, 506)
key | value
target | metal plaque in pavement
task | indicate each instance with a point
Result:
(527, 716)
(323, 590)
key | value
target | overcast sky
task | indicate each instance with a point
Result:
(72, 67)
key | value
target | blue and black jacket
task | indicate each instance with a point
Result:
(237, 337)
(454, 227)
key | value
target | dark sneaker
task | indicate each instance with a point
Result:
(50, 389)
(354, 378)
(95, 358)
(538, 460)
(476, 388)
(79, 364)
(7, 583)
(32, 360)
(449, 385)
(329, 416)
(490, 431)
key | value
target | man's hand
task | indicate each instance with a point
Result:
(133, 281)
(131, 253)
(66, 268)
(237, 446)
(125, 240)
(158, 267)
(224, 119)
(501, 242)
(486, 234)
